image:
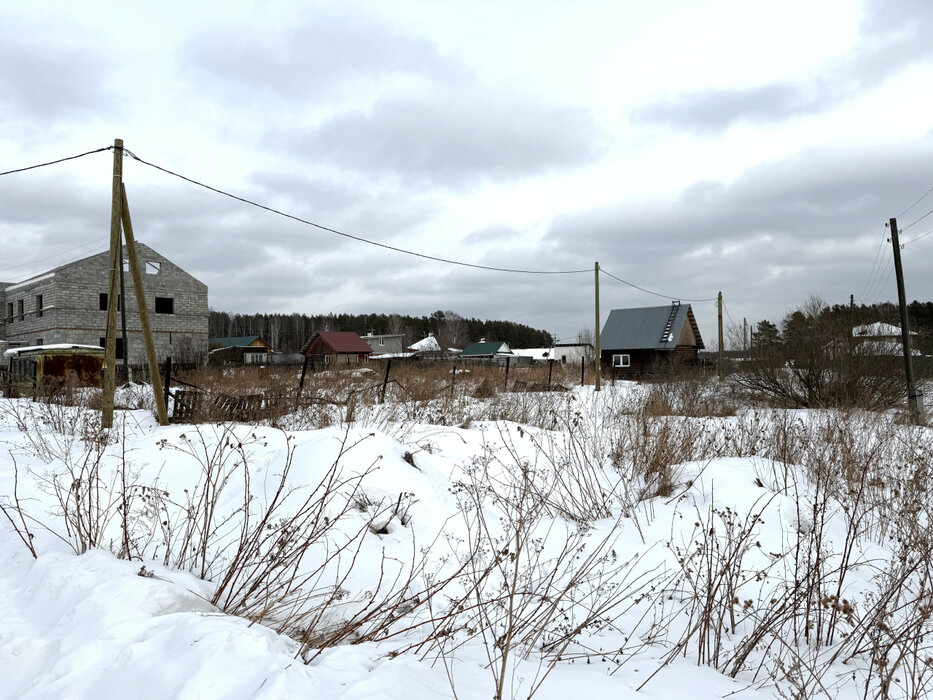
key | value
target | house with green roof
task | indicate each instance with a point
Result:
(484, 350)
(242, 341)
(248, 349)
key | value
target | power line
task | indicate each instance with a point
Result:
(359, 239)
(724, 308)
(648, 291)
(54, 255)
(916, 221)
(884, 273)
(54, 162)
(917, 238)
(874, 268)
(925, 195)
(884, 284)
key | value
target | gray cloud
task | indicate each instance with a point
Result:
(892, 37)
(810, 223)
(491, 233)
(53, 82)
(315, 56)
(711, 111)
(452, 137)
(442, 128)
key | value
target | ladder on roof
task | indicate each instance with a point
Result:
(666, 336)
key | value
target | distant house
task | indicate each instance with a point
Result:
(251, 343)
(387, 344)
(880, 340)
(336, 347)
(560, 352)
(426, 347)
(484, 350)
(488, 351)
(635, 342)
(247, 349)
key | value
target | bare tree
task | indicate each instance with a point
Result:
(818, 365)
(587, 338)
(452, 331)
(397, 326)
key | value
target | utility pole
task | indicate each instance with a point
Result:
(144, 327)
(914, 397)
(744, 336)
(851, 323)
(599, 360)
(721, 350)
(110, 349)
(122, 304)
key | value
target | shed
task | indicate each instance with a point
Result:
(79, 364)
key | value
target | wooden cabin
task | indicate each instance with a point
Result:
(636, 343)
(336, 348)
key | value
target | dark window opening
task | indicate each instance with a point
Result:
(164, 305)
(9, 312)
(21, 310)
(40, 341)
(119, 355)
(103, 301)
(39, 307)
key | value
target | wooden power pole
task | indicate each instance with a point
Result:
(120, 216)
(110, 343)
(154, 378)
(599, 359)
(721, 349)
(914, 397)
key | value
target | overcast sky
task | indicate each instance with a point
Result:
(689, 147)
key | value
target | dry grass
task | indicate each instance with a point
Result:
(857, 479)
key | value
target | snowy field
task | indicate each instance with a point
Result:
(601, 547)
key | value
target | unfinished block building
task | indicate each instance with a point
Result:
(69, 305)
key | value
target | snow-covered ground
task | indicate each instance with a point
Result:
(440, 561)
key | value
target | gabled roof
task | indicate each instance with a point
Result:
(240, 341)
(648, 328)
(878, 330)
(487, 349)
(428, 344)
(142, 251)
(338, 342)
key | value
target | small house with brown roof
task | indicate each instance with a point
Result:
(337, 348)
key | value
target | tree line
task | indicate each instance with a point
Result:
(289, 332)
(843, 317)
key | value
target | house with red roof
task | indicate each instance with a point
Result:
(336, 347)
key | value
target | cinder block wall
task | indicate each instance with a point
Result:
(72, 313)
